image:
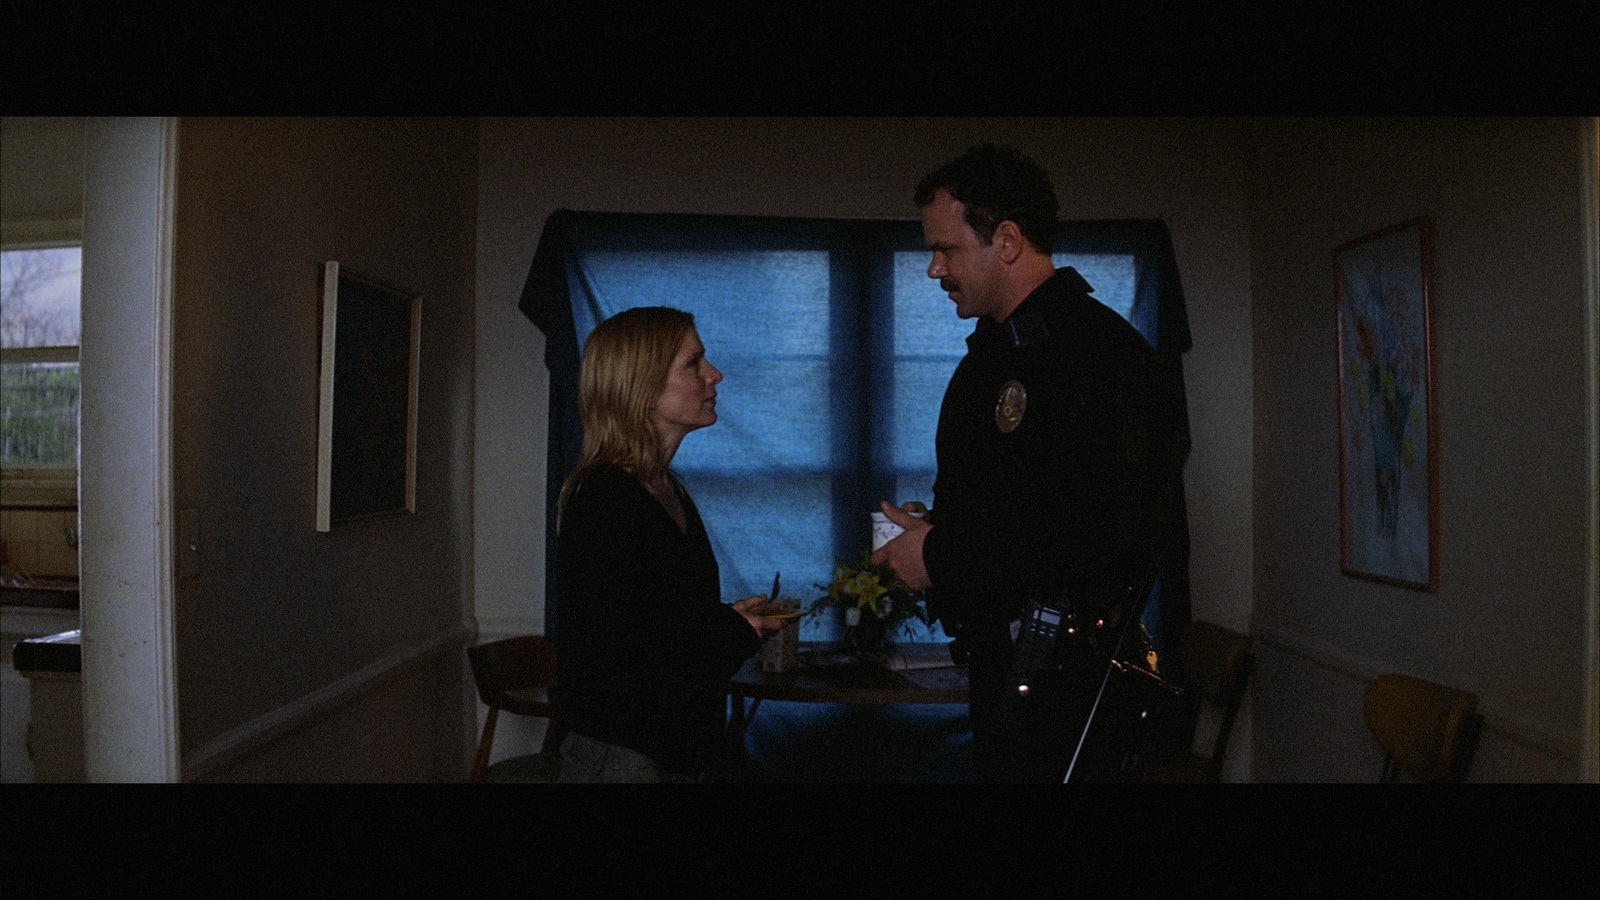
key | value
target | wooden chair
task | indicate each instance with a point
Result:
(517, 675)
(1217, 662)
(1427, 730)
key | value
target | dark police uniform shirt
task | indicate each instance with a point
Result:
(1045, 444)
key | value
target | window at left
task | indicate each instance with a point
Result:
(39, 328)
(39, 334)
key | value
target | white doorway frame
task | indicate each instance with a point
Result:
(125, 479)
(1590, 765)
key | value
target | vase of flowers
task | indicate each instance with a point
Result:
(876, 607)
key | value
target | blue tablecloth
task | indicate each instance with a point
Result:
(842, 743)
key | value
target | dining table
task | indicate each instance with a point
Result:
(910, 674)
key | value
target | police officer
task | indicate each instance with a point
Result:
(1053, 481)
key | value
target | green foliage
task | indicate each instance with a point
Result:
(875, 592)
(39, 414)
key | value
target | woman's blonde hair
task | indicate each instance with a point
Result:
(625, 364)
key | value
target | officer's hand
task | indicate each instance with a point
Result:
(904, 553)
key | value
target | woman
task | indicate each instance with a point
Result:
(647, 645)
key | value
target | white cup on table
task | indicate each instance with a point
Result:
(781, 652)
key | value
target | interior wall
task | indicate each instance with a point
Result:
(1505, 202)
(42, 158)
(1180, 170)
(354, 636)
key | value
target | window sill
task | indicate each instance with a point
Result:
(40, 488)
(63, 595)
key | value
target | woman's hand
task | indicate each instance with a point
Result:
(752, 608)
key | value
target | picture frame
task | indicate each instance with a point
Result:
(1388, 428)
(367, 421)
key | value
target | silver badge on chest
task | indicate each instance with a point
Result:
(1010, 407)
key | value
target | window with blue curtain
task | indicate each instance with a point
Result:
(836, 349)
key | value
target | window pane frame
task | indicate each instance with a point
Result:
(555, 299)
(44, 484)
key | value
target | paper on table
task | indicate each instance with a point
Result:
(920, 656)
(950, 678)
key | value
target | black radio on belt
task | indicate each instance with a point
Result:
(1036, 637)
(1039, 634)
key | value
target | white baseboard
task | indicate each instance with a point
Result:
(1542, 737)
(493, 628)
(264, 729)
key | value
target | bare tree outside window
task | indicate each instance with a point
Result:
(39, 291)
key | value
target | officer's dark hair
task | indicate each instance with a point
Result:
(997, 184)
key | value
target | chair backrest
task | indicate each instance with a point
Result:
(524, 663)
(1429, 731)
(1217, 661)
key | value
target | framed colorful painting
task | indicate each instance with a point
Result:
(1388, 444)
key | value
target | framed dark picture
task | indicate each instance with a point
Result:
(367, 428)
(1388, 444)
